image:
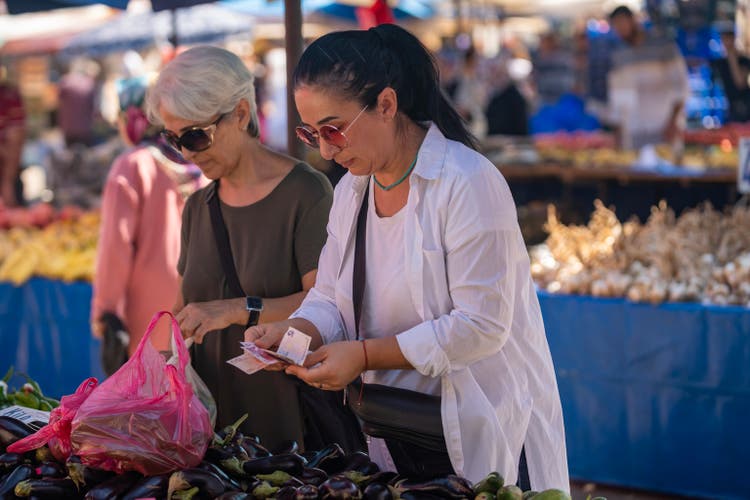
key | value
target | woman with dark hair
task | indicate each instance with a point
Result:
(423, 241)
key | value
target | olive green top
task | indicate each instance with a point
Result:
(275, 242)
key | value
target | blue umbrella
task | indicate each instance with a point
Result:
(199, 24)
(274, 9)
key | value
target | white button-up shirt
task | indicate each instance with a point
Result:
(482, 332)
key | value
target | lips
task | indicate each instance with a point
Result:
(346, 164)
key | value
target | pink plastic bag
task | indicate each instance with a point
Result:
(56, 434)
(144, 417)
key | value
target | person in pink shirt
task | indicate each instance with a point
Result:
(141, 214)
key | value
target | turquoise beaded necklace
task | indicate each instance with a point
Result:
(402, 179)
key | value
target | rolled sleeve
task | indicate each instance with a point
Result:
(322, 313)
(421, 348)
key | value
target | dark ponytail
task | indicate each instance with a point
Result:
(360, 64)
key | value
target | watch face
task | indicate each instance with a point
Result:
(254, 303)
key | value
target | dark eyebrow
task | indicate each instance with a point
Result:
(327, 119)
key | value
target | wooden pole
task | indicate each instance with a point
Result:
(294, 42)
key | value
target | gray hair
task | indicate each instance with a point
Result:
(201, 83)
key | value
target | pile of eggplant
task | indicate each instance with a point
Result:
(235, 467)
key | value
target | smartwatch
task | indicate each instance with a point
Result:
(254, 306)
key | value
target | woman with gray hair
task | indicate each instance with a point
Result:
(250, 240)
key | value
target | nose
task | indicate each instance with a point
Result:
(327, 151)
(187, 154)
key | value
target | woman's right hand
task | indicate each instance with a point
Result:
(267, 335)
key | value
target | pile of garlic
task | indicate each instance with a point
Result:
(701, 256)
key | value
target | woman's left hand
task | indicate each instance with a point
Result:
(198, 318)
(332, 366)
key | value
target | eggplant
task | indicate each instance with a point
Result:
(47, 488)
(450, 486)
(253, 448)
(360, 462)
(12, 430)
(339, 487)
(229, 483)
(291, 463)
(148, 487)
(9, 461)
(236, 450)
(216, 455)
(329, 452)
(377, 491)
(234, 495)
(114, 487)
(84, 476)
(386, 477)
(20, 473)
(286, 493)
(207, 482)
(286, 447)
(307, 492)
(226, 434)
(51, 469)
(313, 476)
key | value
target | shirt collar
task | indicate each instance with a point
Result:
(430, 157)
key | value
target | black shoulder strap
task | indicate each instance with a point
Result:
(222, 241)
(358, 277)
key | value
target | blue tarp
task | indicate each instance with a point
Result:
(654, 397)
(44, 332)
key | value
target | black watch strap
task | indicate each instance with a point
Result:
(253, 318)
(254, 306)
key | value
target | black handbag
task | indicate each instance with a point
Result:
(115, 341)
(389, 412)
(327, 419)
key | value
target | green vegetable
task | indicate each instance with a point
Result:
(529, 494)
(264, 490)
(490, 484)
(34, 385)
(552, 494)
(186, 494)
(27, 399)
(510, 492)
(277, 478)
(485, 495)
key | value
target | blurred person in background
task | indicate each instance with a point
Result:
(470, 96)
(12, 137)
(553, 70)
(77, 97)
(139, 242)
(647, 85)
(733, 70)
(507, 110)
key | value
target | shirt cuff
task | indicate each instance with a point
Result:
(329, 327)
(420, 347)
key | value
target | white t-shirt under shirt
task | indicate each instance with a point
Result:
(387, 308)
